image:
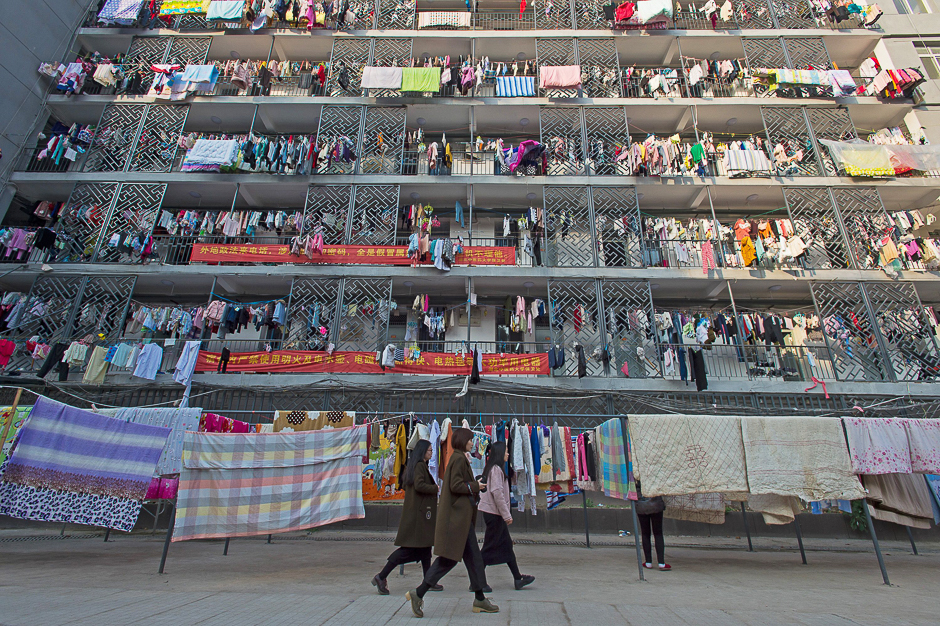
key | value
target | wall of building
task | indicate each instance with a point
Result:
(31, 32)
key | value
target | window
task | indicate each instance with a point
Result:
(906, 7)
(929, 53)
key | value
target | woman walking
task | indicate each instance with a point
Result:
(494, 504)
(454, 536)
(416, 529)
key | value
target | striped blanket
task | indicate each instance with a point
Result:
(72, 465)
(515, 86)
(239, 485)
(617, 468)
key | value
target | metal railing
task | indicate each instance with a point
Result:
(686, 16)
(753, 362)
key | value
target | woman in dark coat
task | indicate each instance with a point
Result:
(494, 504)
(416, 529)
(454, 536)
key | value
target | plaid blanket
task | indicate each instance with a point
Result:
(72, 465)
(616, 464)
(239, 485)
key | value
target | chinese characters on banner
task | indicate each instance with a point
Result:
(366, 255)
(445, 364)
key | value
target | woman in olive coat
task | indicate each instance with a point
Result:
(454, 536)
(419, 513)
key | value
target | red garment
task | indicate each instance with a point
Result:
(521, 8)
(577, 319)
(6, 351)
(625, 11)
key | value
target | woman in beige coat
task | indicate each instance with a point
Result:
(454, 536)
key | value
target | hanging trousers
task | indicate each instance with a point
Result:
(54, 357)
(471, 558)
(698, 369)
(407, 555)
(223, 360)
(652, 525)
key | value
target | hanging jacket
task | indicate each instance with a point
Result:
(582, 362)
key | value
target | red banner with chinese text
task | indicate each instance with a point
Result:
(367, 255)
(308, 362)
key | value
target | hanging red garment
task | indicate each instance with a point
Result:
(625, 11)
(521, 7)
(577, 319)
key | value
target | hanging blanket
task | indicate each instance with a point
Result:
(180, 7)
(900, 498)
(559, 76)
(238, 485)
(381, 78)
(75, 466)
(614, 452)
(878, 446)
(212, 152)
(776, 510)
(738, 161)
(924, 437)
(686, 454)
(123, 12)
(225, 10)
(452, 19)
(708, 508)
(421, 79)
(804, 457)
(177, 420)
(19, 420)
(515, 86)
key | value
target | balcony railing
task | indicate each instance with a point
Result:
(750, 362)
(590, 15)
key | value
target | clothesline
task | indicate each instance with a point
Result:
(218, 297)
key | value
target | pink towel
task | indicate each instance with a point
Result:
(560, 76)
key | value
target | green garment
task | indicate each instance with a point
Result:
(698, 152)
(421, 79)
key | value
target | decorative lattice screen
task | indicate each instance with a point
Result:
(134, 212)
(328, 206)
(81, 222)
(375, 210)
(340, 121)
(363, 325)
(849, 332)
(628, 320)
(312, 307)
(382, 140)
(568, 237)
(561, 133)
(575, 317)
(815, 221)
(114, 138)
(617, 226)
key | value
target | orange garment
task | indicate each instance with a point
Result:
(748, 252)
(446, 448)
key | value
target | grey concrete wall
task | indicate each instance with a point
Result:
(31, 32)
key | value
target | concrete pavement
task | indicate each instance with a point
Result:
(295, 580)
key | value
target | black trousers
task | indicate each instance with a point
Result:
(652, 525)
(53, 358)
(698, 369)
(471, 558)
(223, 360)
(408, 555)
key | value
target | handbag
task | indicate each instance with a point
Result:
(650, 506)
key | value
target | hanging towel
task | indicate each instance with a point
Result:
(515, 86)
(559, 76)
(381, 78)
(924, 438)
(616, 463)
(899, 498)
(806, 457)
(421, 79)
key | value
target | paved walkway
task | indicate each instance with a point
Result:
(79, 581)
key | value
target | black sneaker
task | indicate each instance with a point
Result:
(524, 581)
(485, 589)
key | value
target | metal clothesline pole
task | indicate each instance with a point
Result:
(874, 540)
(636, 520)
(225, 550)
(587, 531)
(799, 537)
(166, 542)
(910, 536)
(750, 546)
